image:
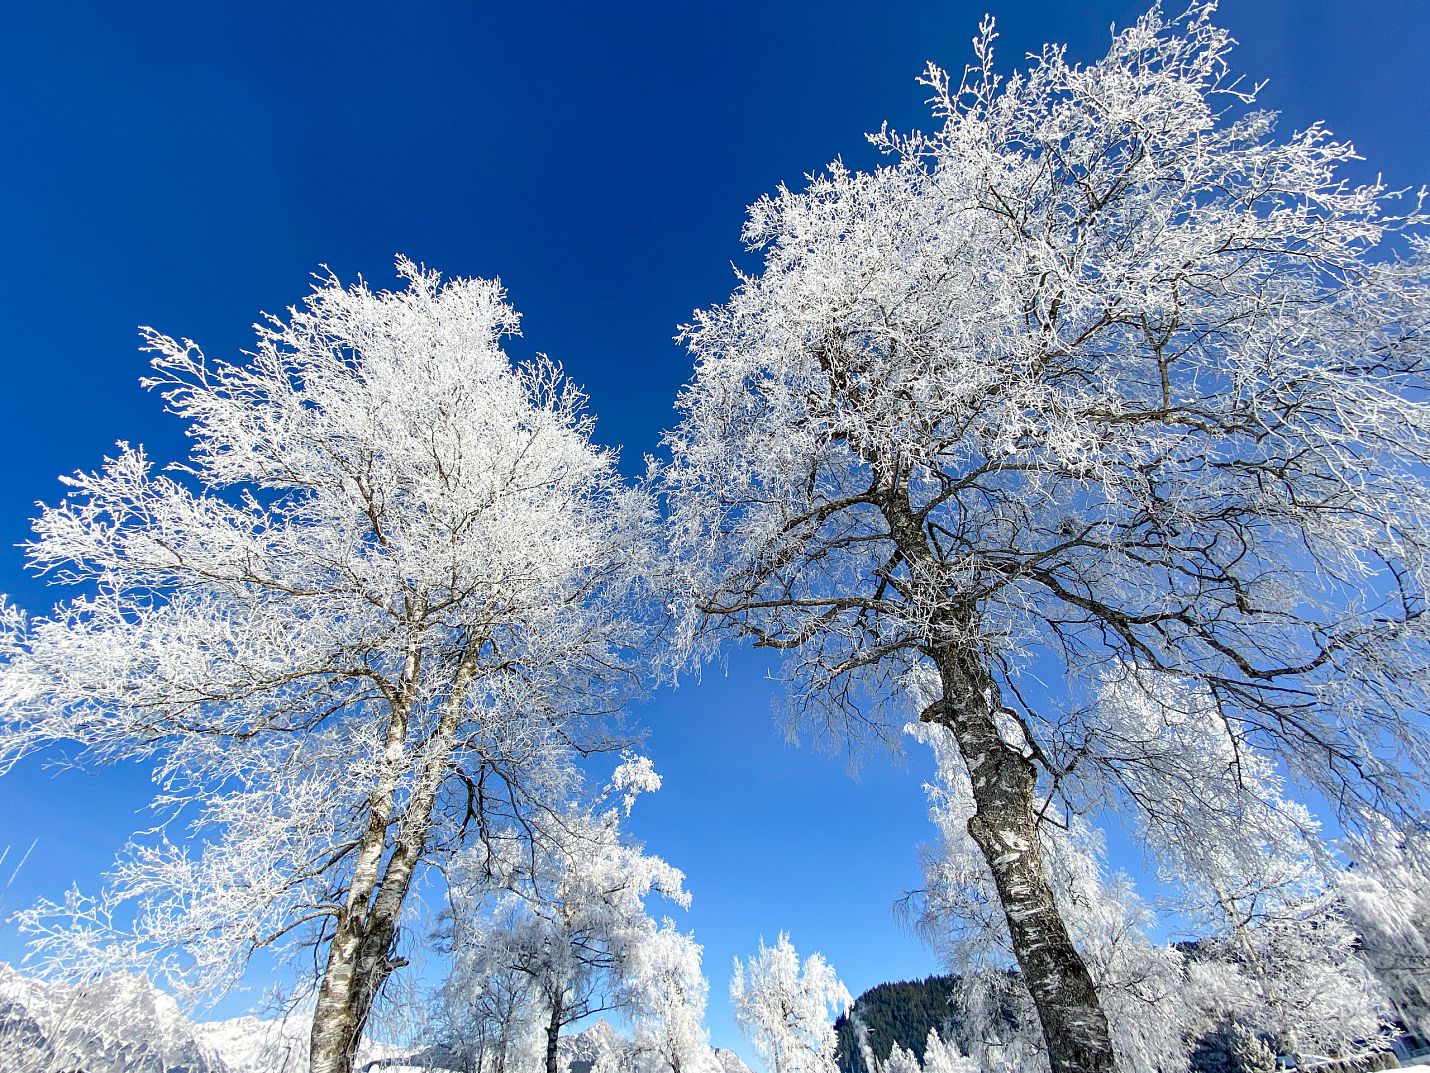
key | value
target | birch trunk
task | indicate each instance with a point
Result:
(1005, 828)
(1004, 824)
(360, 954)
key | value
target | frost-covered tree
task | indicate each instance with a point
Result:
(1238, 864)
(487, 1010)
(1281, 958)
(1294, 976)
(939, 1057)
(1244, 866)
(372, 615)
(559, 904)
(943, 1057)
(668, 993)
(665, 995)
(1233, 1048)
(1104, 372)
(1386, 892)
(787, 1009)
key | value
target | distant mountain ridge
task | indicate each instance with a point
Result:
(123, 1025)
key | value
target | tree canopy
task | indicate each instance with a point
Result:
(1104, 384)
(381, 607)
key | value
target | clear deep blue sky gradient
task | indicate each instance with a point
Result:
(187, 165)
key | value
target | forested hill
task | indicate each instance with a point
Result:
(899, 1013)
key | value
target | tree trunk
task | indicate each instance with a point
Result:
(359, 963)
(1005, 828)
(553, 1034)
(359, 956)
(355, 972)
(1004, 824)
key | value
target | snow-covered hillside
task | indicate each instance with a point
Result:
(254, 1045)
(730, 1061)
(122, 1025)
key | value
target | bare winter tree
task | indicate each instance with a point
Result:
(372, 616)
(1102, 377)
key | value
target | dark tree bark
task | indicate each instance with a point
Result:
(553, 1033)
(1005, 828)
(1005, 821)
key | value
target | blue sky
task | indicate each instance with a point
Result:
(187, 165)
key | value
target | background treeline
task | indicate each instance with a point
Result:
(901, 1013)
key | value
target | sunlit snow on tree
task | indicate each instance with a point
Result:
(1103, 378)
(379, 608)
